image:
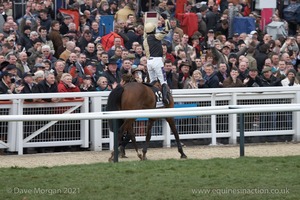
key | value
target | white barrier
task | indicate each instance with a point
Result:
(93, 126)
(154, 113)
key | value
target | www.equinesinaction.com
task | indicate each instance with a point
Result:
(222, 191)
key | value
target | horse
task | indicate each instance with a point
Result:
(136, 96)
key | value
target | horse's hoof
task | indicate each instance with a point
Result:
(145, 158)
(110, 160)
(183, 156)
(123, 156)
(140, 156)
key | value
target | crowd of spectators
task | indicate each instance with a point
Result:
(41, 54)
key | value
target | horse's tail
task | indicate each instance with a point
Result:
(114, 104)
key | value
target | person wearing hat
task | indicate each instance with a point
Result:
(112, 74)
(28, 83)
(290, 79)
(3, 66)
(113, 8)
(252, 79)
(154, 52)
(25, 37)
(39, 67)
(268, 79)
(184, 75)
(87, 84)
(232, 61)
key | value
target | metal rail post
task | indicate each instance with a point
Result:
(242, 134)
(116, 142)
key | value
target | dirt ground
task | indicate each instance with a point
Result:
(194, 152)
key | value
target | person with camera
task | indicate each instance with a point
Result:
(8, 84)
(290, 79)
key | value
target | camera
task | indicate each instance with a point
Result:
(12, 80)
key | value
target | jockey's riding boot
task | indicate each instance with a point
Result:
(165, 90)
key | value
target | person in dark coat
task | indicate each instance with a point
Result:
(132, 36)
(267, 78)
(253, 79)
(210, 77)
(29, 84)
(45, 19)
(47, 86)
(24, 39)
(6, 83)
(113, 76)
(261, 55)
(222, 73)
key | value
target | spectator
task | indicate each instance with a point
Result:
(35, 51)
(123, 13)
(66, 85)
(102, 84)
(233, 80)
(253, 79)
(113, 76)
(184, 75)
(45, 19)
(70, 46)
(22, 63)
(117, 43)
(172, 77)
(243, 70)
(87, 84)
(54, 36)
(290, 79)
(47, 86)
(90, 52)
(47, 54)
(45, 39)
(196, 81)
(222, 73)
(268, 79)
(28, 83)
(7, 85)
(210, 77)
(38, 77)
(126, 67)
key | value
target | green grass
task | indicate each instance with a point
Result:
(158, 180)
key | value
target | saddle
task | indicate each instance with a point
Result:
(158, 94)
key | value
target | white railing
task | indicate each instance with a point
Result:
(215, 120)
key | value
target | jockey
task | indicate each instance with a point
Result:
(154, 52)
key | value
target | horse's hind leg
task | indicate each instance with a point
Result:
(148, 137)
(129, 128)
(171, 122)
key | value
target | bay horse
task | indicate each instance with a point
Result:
(136, 96)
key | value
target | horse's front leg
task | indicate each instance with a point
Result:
(148, 137)
(132, 134)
